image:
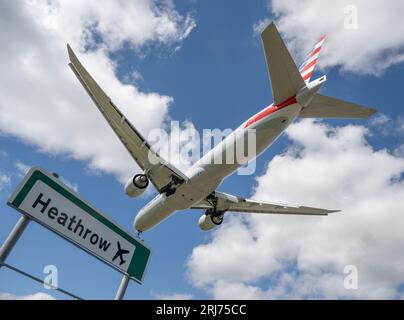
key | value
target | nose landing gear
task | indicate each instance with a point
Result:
(139, 235)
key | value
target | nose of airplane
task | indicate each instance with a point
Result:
(142, 222)
(138, 223)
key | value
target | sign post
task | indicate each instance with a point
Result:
(46, 200)
(122, 287)
(12, 238)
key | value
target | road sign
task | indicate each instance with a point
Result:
(46, 200)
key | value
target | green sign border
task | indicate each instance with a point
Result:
(141, 255)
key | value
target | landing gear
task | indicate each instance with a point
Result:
(169, 189)
(215, 216)
(138, 234)
(170, 192)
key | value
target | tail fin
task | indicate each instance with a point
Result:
(328, 107)
(307, 67)
(286, 80)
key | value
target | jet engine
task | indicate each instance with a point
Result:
(210, 220)
(137, 185)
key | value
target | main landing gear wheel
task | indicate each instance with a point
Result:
(215, 216)
(217, 219)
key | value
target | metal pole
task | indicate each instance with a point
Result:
(122, 287)
(13, 237)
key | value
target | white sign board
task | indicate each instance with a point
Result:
(49, 202)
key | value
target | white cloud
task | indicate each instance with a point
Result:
(22, 168)
(4, 180)
(401, 125)
(35, 296)
(117, 22)
(269, 256)
(71, 185)
(174, 296)
(399, 151)
(134, 77)
(379, 120)
(42, 102)
(259, 26)
(386, 126)
(375, 45)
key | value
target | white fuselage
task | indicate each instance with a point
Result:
(205, 175)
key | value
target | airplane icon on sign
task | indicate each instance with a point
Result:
(120, 254)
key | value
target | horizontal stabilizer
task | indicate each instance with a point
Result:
(328, 107)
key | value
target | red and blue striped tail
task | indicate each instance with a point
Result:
(306, 69)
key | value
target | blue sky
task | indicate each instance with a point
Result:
(212, 65)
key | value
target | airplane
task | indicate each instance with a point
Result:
(295, 96)
(120, 253)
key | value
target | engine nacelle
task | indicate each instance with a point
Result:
(208, 221)
(137, 185)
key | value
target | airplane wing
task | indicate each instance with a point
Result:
(227, 202)
(160, 172)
